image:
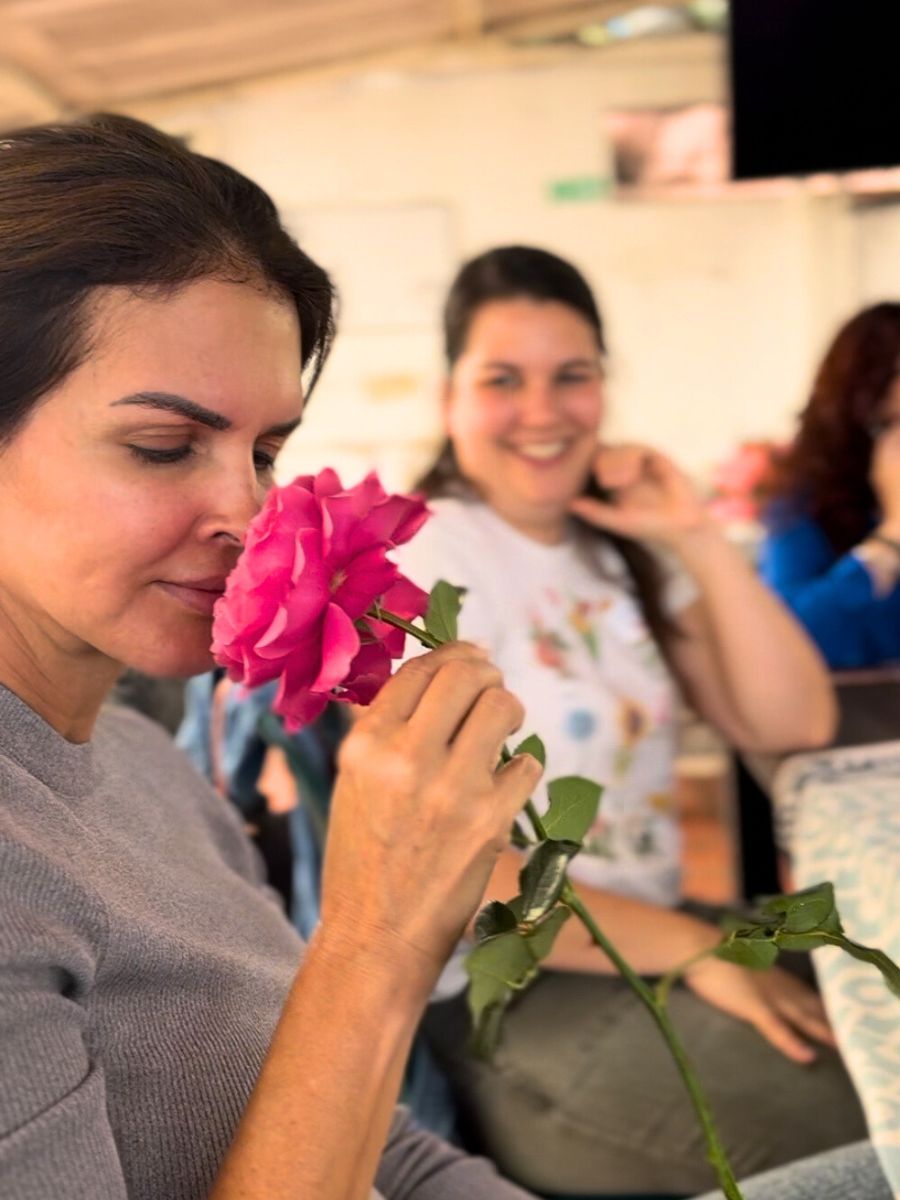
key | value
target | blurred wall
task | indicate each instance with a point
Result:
(716, 310)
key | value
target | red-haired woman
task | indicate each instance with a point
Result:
(833, 550)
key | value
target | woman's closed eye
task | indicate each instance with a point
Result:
(570, 378)
(161, 454)
(263, 459)
(501, 381)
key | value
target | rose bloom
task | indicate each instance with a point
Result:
(294, 608)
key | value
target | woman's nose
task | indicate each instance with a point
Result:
(538, 405)
(233, 506)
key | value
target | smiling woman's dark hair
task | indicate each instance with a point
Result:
(527, 272)
(108, 201)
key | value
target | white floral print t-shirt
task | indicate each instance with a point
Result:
(563, 625)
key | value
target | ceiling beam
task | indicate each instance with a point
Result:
(468, 19)
(35, 56)
(564, 19)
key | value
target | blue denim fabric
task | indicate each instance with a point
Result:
(242, 750)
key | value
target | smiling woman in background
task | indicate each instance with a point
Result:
(833, 550)
(604, 593)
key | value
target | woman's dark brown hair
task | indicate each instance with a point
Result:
(506, 273)
(110, 201)
(825, 474)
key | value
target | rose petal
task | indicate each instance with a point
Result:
(297, 704)
(367, 577)
(405, 599)
(369, 672)
(340, 645)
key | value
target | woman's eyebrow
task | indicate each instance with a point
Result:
(498, 364)
(169, 402)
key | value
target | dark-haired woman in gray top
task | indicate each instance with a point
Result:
(162, 1032)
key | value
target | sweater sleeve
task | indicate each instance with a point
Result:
(418, 1166)
(55, 1137)
(831, 597)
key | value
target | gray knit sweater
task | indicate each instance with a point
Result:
(143, 966)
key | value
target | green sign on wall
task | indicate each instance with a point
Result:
(579, 188)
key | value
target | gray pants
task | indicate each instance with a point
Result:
(850, 1173)
(583, 1097)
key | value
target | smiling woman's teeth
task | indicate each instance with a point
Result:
(543, 450)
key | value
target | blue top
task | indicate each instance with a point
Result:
(832, 595)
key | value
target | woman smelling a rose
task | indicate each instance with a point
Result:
(165, 1032)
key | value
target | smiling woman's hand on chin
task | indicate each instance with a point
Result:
(649, 496)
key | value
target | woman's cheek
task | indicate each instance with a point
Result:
(480, 417)
(586, 411)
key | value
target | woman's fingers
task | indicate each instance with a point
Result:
(776, 1004)
(776, 1031)
(807, 1014)
(451, 694)
(402, 694)
(621, 466)
(495, 715)
(793, 1009)
(514, 783)
(601, 514)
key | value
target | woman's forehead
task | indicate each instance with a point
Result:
(529, 328)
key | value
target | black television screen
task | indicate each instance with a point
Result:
(815, 86)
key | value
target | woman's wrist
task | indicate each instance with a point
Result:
(888, 533)
(879, 553)
(693, 543)
(889, 527)
(376, 963)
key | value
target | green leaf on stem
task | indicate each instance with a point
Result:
(802, 912)
(496, 966)
(441, 618)
(543, 876)
(573, 807)
(732, 922)
(533, 746)
(800, 941)
(503, 965)
(485, 1036)
(542, 937)
(495, 918)
(757, 953)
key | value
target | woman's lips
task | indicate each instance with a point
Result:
(198, 599)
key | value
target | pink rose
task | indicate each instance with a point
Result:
(314, 563)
